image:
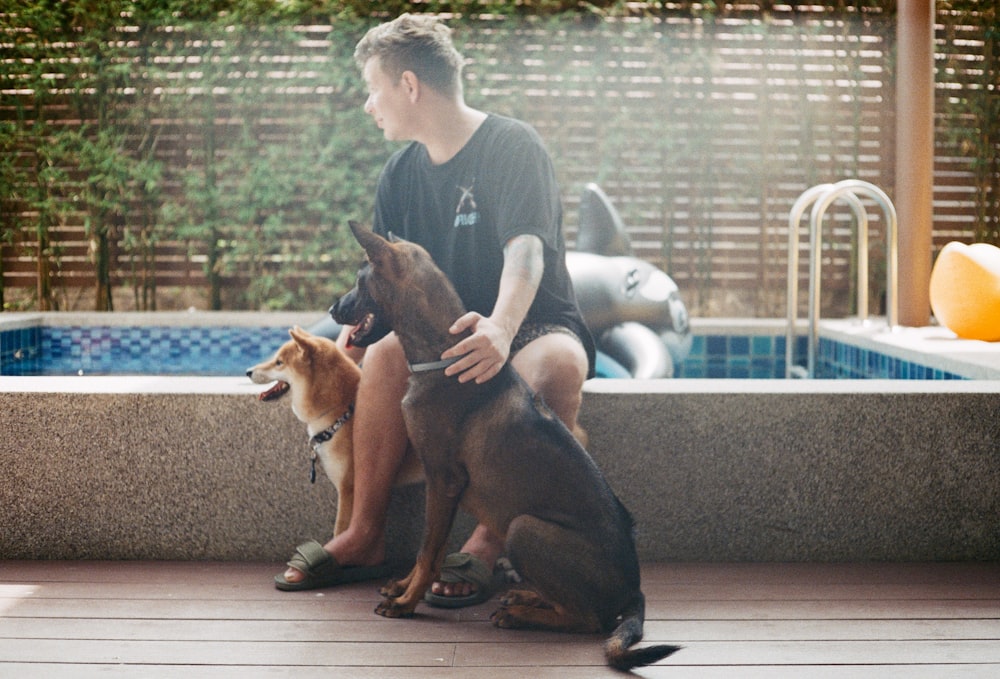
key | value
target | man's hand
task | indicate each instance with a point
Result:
(488, 348)
(483, 353)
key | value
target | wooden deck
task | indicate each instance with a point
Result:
(225, 620)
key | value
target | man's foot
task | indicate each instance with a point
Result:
(460, 573)
(354, 563)
(318, 569)
(485, 548)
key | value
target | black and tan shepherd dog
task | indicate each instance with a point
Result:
(495, 450)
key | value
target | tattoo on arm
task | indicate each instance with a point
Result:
(523, 265)
(523, 258)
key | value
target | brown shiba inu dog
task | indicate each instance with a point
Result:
(322, 382)
(497, 451)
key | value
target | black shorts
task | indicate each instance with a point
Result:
(529, 332)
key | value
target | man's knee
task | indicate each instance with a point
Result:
(384, 372)
(555, 366)
(385, 357)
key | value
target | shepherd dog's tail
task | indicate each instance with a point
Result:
(629, 631)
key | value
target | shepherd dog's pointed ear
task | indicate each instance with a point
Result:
(375, 246)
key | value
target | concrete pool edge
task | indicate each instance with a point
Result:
(15, 320)
(713, 470)
(185, 384)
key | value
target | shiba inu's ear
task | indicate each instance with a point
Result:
(301, 337)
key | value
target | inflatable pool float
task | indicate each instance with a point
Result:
(633, 309)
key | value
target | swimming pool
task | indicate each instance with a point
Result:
(146, 350)
(225, 344)
(198, 344)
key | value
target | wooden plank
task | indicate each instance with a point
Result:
(197, 573)
(882, 629)
(256, 653)
(372, 628)
(735, 653)
(320, 609)
(840, 671)
(824, 573)
(57, 670)
(263, 590)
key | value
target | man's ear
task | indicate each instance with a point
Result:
(411, 82)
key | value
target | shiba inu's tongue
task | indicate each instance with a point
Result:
(277, 391)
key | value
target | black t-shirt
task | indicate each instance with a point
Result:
(501, 184)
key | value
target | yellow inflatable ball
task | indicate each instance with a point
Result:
(965, 290)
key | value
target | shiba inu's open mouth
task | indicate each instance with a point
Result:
(275, 392)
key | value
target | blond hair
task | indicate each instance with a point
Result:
(418, 43)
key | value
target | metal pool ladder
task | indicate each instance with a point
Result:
(821, 197)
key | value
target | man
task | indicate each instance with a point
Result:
(479, 193)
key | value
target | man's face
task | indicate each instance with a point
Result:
(388, 100)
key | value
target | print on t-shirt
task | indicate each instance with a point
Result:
(467, 213)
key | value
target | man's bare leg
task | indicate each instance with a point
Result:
(379, 448)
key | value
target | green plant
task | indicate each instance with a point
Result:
(86, 170)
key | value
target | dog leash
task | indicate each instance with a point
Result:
(324, 436)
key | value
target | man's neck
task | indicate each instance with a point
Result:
(450, 132)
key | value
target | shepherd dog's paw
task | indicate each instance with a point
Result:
(523, 597)
(392, 589)
(391, 608)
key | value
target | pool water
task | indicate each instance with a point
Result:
(230, 350)
(763, 357)
(128, 350)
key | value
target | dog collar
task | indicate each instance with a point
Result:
(434, 365)
(324, 436)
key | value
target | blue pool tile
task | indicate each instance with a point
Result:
(739, 372)
(779, 345)
(20, 351)
(717, 370)
(739, 345)
(762, 345)
(716, 345)
(693, 370)
(697, 348)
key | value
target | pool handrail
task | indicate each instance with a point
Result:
(821, 197)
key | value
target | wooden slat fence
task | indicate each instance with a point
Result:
(702, 132)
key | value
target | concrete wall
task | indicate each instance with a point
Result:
(196, 468)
